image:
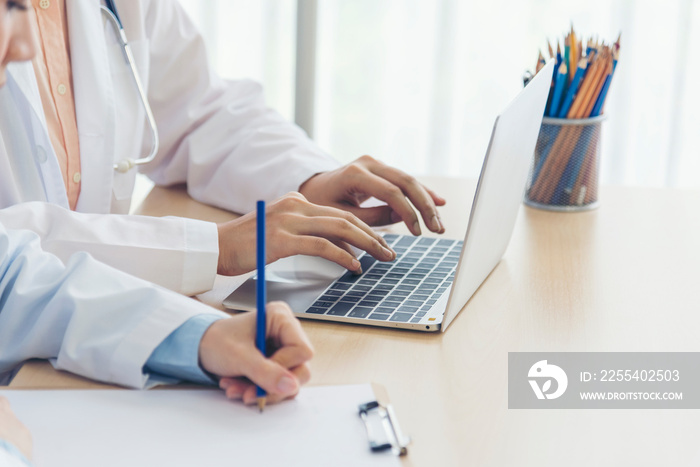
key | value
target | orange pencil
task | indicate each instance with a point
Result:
(596, 78)
(599, 87)
(588, 81)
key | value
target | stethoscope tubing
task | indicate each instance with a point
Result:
(125, 165)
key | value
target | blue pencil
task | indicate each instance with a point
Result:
(572, 88)
(261, 297)
(559, 84)
(558, 56)
(598, 107)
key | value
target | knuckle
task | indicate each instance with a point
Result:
(408, 179)
(320, 245)
(394, 192)
(350, 217)
(342, 225)
(296, 195)
(343, 216)
(290, 200)
(424, 207)
(353, 169)
(366, 158)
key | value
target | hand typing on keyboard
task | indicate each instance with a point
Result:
(403, 290)
(349, 186)
(298, 227)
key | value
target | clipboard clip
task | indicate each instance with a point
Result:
(383, 428)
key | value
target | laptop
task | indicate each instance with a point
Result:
(431, 279)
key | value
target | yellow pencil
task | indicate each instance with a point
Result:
(573, 53)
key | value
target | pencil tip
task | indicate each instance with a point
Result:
(261, 404)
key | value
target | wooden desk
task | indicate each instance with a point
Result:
(621, 278)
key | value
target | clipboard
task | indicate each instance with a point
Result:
(384, 432)
(182, 427)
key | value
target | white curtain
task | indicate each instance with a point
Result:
(252, 39)
(418, 83)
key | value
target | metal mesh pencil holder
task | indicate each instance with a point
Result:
(564, 171)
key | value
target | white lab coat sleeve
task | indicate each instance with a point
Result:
(89, 318)
(10, 456)
(176, 253)
(218, 136)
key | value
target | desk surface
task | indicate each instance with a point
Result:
(620, 278)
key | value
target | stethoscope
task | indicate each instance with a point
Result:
(123, 166)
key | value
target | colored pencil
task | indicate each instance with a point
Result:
(565, 169)
(261, 296)
(573, 53)
(573, 88)
(606, 72)
(558, 90)
(540, 63)
(589, 81)
(558, 54)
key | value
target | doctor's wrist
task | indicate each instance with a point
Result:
(221, 266)
(226, 263)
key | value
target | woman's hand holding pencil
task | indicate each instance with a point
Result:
(228, 351)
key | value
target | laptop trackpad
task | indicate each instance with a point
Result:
(297, 280)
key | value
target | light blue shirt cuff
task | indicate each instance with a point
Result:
(178, 355)
(13, 452)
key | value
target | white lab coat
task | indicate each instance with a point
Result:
(11, 460)
(87, 317)
(217, 136)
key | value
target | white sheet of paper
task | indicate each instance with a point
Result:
(196, 427)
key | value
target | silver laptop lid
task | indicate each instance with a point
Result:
(499, 192)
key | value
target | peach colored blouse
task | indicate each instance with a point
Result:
(52, 67)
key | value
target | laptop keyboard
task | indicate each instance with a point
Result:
(403, 290)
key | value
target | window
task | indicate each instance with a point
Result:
(418, 83)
